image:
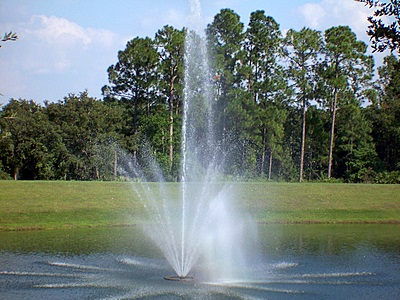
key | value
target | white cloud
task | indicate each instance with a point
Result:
(58, 44)
(327, 13)
(148, 25)
(313, 13)
(106, 38)
(59, 31)
(54, 56)
(63, 33)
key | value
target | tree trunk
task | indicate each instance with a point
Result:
(96, 170)
(135, 113)
(135, 127)
(303, 139)
(115, 163)
(270, 166)
(224, 110)
(171, 124)
(332, 134)
(264, 149)
(262, 163)
(171, 140)
(16, 171)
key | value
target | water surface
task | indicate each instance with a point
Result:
(291, 262)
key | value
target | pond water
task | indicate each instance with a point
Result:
(291, 262)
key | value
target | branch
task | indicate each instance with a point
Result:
(10, 36)
(383, 36)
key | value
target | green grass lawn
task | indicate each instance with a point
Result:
(65, 204)
(322, 202)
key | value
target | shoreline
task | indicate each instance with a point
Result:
(33, 228)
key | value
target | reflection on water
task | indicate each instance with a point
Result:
(296, 262)
(128, 240)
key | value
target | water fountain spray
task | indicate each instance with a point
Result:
(201, 225)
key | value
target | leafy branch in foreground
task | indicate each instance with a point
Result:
(10, 36)
(383, 35)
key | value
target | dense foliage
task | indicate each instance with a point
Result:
(384, 24)
(304, 106)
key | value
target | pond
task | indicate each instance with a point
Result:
(291, 262)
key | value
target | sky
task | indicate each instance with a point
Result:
(66, 46)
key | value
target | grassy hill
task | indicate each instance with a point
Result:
(68, 204)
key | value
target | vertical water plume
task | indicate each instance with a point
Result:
(197, 128)
(197, 222)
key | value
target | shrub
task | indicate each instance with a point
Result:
(388, 177)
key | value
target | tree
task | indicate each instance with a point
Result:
(261, 45)
(302, 49)
(170, 46)
(89, 130)
(384, 113)
(384, 36)
(357, 160)
(264, 80)
(317, 142)
(133, 83)
(346, 65)
(291, 144)
(243, 133)
(225, 35)
(273, 131)
(29, 142)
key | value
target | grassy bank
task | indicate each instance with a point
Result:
(65, 204)
(322, 202)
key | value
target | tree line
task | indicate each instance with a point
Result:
(301, 106)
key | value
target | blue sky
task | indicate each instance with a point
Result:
(66, 46)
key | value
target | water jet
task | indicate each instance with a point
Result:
(199, 223)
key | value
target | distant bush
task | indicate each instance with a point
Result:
(364, 175)
(388, 177)
(330, 180)
(3, 174)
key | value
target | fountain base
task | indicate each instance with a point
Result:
(179, 278)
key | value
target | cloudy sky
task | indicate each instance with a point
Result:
(66, 46)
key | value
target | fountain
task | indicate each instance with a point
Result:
(202, 235)
(201, 221)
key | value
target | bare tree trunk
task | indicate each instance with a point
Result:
(332, 134)
(263, 153)
(262, 162)
(16, 171)
(171, 139)
(115, 163)
(135, 161)
(171, 124)
(270, 166)
(303, 140)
